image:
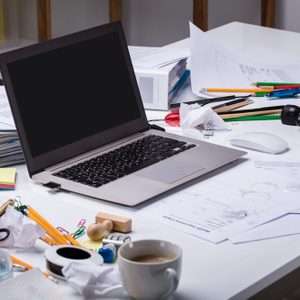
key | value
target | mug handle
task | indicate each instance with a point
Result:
(172, 276)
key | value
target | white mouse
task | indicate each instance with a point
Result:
(260, 141)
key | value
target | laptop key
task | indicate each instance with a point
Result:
(123, 161)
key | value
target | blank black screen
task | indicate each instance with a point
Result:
(70, 93)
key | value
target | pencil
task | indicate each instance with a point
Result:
(231, 105)
(53, 232)
(50, 241)
(254, 118)
(280, 87)
(254, 113)
(234, 90)
(23, 264)
(268, 83)
(72, 241)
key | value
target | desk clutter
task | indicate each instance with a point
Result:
(21, 226)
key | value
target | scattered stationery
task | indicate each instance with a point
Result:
(7, 178)
(214, 65)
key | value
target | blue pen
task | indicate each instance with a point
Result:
(283, 93)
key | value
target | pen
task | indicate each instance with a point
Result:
(204, 101)
(268, 83)
(283, 93)
(231, 105)
(234, 90)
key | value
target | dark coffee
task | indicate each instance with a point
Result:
(152, 258)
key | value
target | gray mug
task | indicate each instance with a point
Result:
(150, 269)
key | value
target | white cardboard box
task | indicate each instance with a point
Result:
(154, 86)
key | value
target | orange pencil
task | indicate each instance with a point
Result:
(72, 241)
(49, 240)
(23, 264)
(53, 232)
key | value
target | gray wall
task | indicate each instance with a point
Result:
(152, 22)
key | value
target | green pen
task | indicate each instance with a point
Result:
(261, 83)
(254, 118)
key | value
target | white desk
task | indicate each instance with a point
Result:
(209, 271)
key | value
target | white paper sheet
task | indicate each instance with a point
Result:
(286, 225)
(32, 285)
(227, 204)
(214, 66)
(155, 57)
(6, 118)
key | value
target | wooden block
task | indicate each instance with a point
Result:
(121, 224)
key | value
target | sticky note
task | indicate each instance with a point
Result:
(7, 178)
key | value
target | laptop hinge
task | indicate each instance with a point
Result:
(52, 185)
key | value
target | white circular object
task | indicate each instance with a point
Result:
(59, 256)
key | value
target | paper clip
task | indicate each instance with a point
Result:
(79, 232)
(63, 231)
(81, 223)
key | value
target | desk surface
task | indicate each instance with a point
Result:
(209, 271)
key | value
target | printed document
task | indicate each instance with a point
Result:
(213, 66)
(227, 204)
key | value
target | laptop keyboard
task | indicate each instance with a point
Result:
(124, 160)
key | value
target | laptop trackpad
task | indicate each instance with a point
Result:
(169, 171)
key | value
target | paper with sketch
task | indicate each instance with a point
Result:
(214, 66)
(226, 204)
(6, 118)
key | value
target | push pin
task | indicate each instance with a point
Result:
(105, 223)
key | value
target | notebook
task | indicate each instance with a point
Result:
(82, 125)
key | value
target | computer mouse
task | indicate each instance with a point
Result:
(260, 141)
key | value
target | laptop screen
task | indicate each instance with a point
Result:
(73, 94)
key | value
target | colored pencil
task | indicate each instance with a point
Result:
(268, 83)
(281, 87)
(254, 118)
(246, 114)
(234, 90)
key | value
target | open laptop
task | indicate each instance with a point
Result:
(82, 125)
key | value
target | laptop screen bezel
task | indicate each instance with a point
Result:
(36, 164)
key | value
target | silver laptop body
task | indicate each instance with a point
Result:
(76, 98)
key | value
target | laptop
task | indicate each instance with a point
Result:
(82, 125)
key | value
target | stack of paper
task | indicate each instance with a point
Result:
(10, 149)
(7, 178)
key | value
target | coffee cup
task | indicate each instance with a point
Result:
(150, 269)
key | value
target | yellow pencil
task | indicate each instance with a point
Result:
(53, 232)
(72, 241)
(233, 90)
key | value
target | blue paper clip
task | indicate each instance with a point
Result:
(283, 93)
